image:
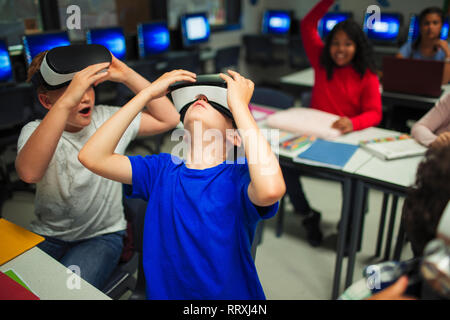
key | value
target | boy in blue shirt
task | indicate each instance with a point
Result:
(202, 212)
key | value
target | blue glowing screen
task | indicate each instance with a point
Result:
(36, 43)
(6, 74)
(111, 38)
(195, 28)
(276, 22)
(327, 23)
(386, 29)
(153, 38)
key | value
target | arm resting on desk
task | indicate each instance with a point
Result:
(424, 130)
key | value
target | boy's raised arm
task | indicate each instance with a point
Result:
(98, 153)
(33, 159)
(159, 114)
(267, 183)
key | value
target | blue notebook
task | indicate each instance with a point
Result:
(327, 154)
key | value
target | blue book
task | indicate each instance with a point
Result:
(327, 154)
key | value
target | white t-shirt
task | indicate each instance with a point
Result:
(72, 203)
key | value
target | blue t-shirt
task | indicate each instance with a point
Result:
(408, 52)
(199, 227)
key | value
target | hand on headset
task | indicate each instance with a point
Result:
(82, 81)
(240, 89)
(160, 86)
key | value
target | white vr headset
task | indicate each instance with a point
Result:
(212, 86)
(60, 64)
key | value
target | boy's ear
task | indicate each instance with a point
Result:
(45, 100)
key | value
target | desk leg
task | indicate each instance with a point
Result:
(280, 218)
(387, 250)
(381, 225)
(358, 211)
(345, 213)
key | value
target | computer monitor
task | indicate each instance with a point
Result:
(112, 38)
(153, 38)
(414, 28)
(327, 23)
(36, 43)
(6, 71)
(195, 29)
(384, 31)
(276, 22)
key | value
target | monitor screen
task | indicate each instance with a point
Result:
(386, 29)
(195, 28)
(327, 23)
(36, 43)
(112, 38)
(414, 28)
(6, 72)
(276, 22)
(153, 38)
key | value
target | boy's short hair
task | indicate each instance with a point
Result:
(34, 67)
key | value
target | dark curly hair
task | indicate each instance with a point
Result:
(427, 198)
(422, 15)
(364, 56)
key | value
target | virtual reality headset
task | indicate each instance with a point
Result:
(212, 86)
(60, 64)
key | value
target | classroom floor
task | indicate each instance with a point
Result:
(288, 267)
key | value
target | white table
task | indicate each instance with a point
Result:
(48, 278)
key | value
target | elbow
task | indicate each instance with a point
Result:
(85, 160)
(273, 193)
(28, 176)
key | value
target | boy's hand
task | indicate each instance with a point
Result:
(343, 124)
(160, 86)
(240, 89)
(81, 83)
(117, 71)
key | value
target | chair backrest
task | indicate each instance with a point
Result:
(135, 213)
(16, 106)
(190, 62)
(258, 49)
(227, 58)
(272, 98)
(297, 54)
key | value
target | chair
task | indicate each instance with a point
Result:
(227, 58)
(272, 98)
(259, 50)
(189, 61)
(15, 111)
(122, 279)
(297, 55)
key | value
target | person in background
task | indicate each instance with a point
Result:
(429, 45)
(345, 84)
(433, 129)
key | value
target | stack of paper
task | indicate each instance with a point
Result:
(13, 287)
(396, 147)
(15, 240)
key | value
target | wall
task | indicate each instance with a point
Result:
(252, 15)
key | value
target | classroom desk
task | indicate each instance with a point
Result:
(391, 177)
(346, 176)
(48, 278)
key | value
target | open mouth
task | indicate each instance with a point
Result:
(85, 111)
